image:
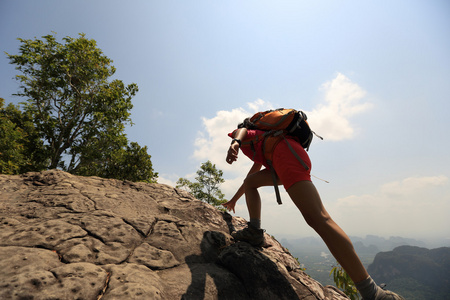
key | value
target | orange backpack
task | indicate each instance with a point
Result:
(278, 124)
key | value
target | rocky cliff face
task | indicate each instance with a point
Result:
(69, 237)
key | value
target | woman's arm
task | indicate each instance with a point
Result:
(232, 203)
(233, 151)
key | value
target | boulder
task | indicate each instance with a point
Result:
(71, 237)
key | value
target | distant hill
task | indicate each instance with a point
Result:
(414, 272)
(372, 242)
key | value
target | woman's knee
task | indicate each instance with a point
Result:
(318, 221)
(250, 183)
(258, 179)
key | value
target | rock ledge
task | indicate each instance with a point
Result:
(69, 237)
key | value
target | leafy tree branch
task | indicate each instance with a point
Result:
(78, 112)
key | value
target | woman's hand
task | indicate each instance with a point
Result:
(230, 205)
(233, 152)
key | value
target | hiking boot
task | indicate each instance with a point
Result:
(387, 295)
(252, 235)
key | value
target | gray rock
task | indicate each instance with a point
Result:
(71, 237)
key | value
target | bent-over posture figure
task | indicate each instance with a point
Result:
(297, 182)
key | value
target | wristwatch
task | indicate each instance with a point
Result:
(236, 140)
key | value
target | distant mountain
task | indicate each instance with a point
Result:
(370, 244)
(373, 241)
(414, 272)
(310, 253)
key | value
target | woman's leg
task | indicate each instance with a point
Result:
(253, 233)
(307, 200)
(251, 184)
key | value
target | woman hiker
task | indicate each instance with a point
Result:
(297, 182)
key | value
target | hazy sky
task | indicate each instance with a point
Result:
(373, 76)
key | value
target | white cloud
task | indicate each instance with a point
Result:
(412, 186)
(416, 206)
(343, 99)
(171, 179)
(259, 105)
(168, 179)
(210, 143)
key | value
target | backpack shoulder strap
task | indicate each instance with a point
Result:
(295, 154)
(275, 182)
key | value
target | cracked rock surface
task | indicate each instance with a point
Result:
(70, 237)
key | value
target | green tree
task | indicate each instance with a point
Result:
(21, 149)
(130, 163)
(79, 113)
(344, 282)
(206, 188)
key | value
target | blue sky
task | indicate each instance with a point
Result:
(373, 76)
